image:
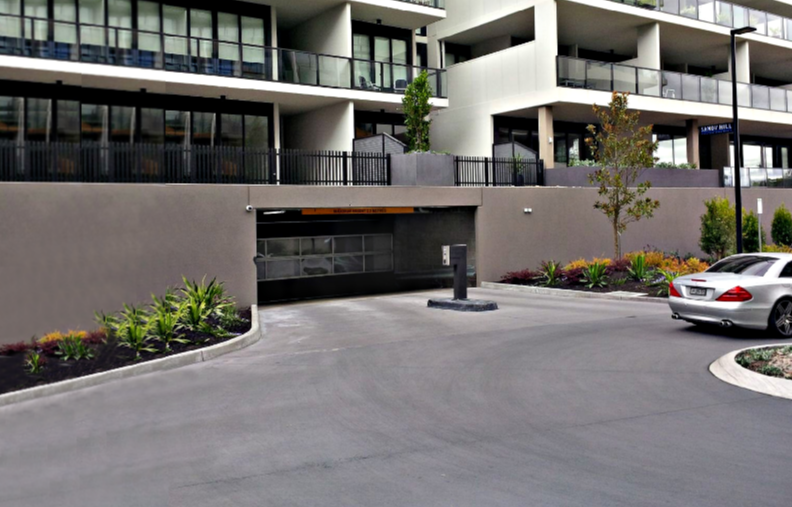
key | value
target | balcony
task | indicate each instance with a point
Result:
(591, 75)
(723, 14)
(437, 4)
(45, 38)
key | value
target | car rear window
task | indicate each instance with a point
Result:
(750, 265)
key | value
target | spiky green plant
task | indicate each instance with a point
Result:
(638, 269)
(664, 283)
(211, 295)
(34, 362)
(134, 335)
(595, 275)
(72, 348)
(163, 326)
(550, 274)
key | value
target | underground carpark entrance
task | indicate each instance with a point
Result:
(331, 252)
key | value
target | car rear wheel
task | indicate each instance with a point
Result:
(781, 318)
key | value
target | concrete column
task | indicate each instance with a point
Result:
(546, 136)
(719, 148)
(692, 135)
(546, 23)
(328, 33)
(649, 46)
(743, 62)
(276, 126)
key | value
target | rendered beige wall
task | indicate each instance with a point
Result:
(564, 226)
(67, 250)
(329, 128)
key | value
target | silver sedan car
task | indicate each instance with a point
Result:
(753, 291)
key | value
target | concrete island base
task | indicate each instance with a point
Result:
(463, 305)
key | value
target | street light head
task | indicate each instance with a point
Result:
(743, 30)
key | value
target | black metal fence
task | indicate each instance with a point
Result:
(142, 163)
(498, 172)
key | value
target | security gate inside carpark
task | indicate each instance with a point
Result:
(315, 253)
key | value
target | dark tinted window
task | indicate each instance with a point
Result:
(749, 265)
(787, 272)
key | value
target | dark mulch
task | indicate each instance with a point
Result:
(108, 356)
(629, 285)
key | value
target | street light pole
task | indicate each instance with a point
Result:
(736, 123)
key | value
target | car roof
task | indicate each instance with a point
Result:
(774, 255)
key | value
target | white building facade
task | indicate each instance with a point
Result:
(530, 70)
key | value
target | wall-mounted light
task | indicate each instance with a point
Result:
(528, 211)
(550, 139)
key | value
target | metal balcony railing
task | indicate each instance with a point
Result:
(46, 38)
(438, 4)
(604, 76)
(721, 13)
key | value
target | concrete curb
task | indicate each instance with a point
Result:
(163, 364)
(578, 294)
(727, 370)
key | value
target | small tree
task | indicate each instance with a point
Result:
(623, 150)
(717, 227)
(750, 231)
(781, 230)
(416, 112)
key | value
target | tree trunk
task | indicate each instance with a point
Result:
(615, 238)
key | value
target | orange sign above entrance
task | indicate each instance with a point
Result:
(357, 211)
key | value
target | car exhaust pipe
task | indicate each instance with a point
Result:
(676, 316)
(726, 324)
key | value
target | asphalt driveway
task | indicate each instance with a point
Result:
(382, 402)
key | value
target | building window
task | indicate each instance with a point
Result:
(456, 53)
(284, 258)
(671, 149)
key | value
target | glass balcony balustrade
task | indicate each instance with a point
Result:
(723, 14)
(591, 75)
(45, 38)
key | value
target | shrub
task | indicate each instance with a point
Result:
(577, 264)
(10, 349)
(694, 265)
(619, 265)
(777, 249)
(638, 270)
(57, 336)
(781, 230)
(750, 233)
(771, 371)
(551, 274)
(717, 227)
(525, 276)
(574, 275)
(595, 275)
(133, 335)
(72, 347)
(664, 284)
(163, 326)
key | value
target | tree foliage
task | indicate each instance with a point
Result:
(416, 112)
(781, 230)
(718, 227)
(623, 150)
(750, 232)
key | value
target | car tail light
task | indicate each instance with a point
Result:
(735, 295)
(672, 292)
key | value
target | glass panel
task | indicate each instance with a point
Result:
(574, 146)
(149, 21)
(382, 73)
(624, 79)
(119, 14)
(777, 99)
(316, 246)
(11, 109)
(775, 26)
(122, 124)
(758, 177)
(723, 14)
(744, 95)
(690, 88)
(598, 76)
(348, 264)
(688, 8)
(228, 31)
(400, 75)
(649, 82)
(92, 13)
(65, 33)
(334, 71)
(289, 247)
(739, 15)
(378, 243)
(671, 6)
(709, 90)
(788, 29)
(300, 68)
(39, 119)
(680, 151)
(760, 96)
(572, 73)
(665, 150)
(68, 121)
(253, 52)
(560, 154)
(352, 244)
(706, 10)
(94, 123)
(752, 155)
(317, 266)
(152, 126)
(283, 269)
(520, 136)
(784, 157)
(382, 262)
(758, 19)
(203, 128)
(177, 124)
(724, 92)
(256, 132)
(672, 85)
(399, 51)
(174, 22)
(775, 177)
(768, 156)
(36, 29)
(231, 132)
(201, 28)
(361, 47)
(10, 27)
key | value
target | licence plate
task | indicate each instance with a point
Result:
(697, 292)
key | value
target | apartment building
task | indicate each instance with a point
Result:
(307, 75)
(529, 71)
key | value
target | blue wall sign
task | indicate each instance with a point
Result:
(720, 128)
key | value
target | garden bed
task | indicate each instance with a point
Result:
(646, 272)
(772, 361)
(195, 317)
